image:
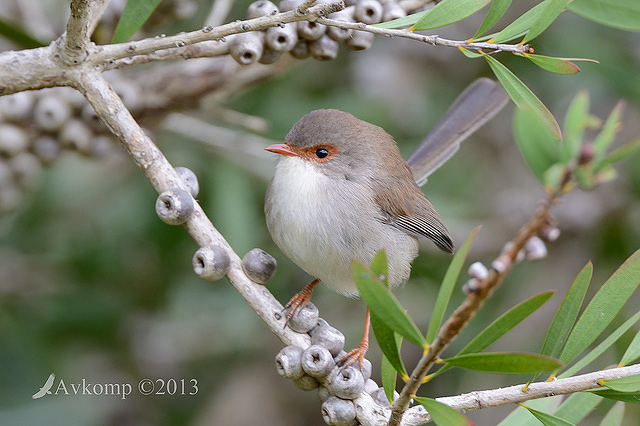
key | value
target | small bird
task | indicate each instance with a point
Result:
(342, 191)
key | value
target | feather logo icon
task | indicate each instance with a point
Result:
(46, 388)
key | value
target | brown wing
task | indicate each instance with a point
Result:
(405, 207)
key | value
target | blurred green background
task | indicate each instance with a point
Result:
(94, 286)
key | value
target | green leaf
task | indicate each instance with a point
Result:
(405, 21)
(496, 11)
(520, 26)
(505, 362)
(622, 14)
(551, 11)
(501, 326)
(523, 97)
(556, 65)
(447, 12)
(537, 145)
(442, 414)
(619, 396)
(19, 36)
(553, 178)
(575, 123)
(389, 343)
(577, 406)
(614, 416)
(567, 313)
(623, 384)
(448, 283)
(632, 353)
(388, 377)
(621, 153)
(604, 306)
(384, 305)
(608, 133)
(469, 54)
(598, 350)
(379, 266)
(548, 419)
(521, 417)
(134, 15)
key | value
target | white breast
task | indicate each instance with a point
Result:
(324, 224)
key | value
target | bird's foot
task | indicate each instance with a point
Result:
(356, 354)
(299, 300)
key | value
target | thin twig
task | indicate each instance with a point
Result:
(433, 40)
(82, 22)
(467, 310)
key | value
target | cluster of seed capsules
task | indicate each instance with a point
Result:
(36, 128)
(309, 39)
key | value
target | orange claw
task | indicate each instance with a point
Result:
(300, 299)
(361, 350)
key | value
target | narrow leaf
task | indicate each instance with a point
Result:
(522, 96)
(577, 406)
(551, 11)
(501, 326)
(606, 136)
(388, 377)
(567, 313)
(470, 54)
(537, 145)
(614, 416)
(442, 414)
(384, 305)
(388, 343)
(405, 21)
(575, 123)
(505, 362)
(521, 417)
(496, 11)
(19, 36)
(555, 65)
(134, 15)
(448, 283)
(598, 350)
(632, 353)
(604, 306)
(623, 384)
(520, 26)
(380, 267)
(622, 14)
(447, 12)
(548, 419)
(621, 153)
(619, 396)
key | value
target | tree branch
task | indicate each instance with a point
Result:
(82, 22)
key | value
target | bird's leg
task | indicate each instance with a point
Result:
(300, 299)
(361, 350)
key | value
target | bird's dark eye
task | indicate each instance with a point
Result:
(322, 152)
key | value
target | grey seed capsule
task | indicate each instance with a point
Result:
(370, 386)
(282, 39)
(310, 30)
(478, 271)
(338, 412)
(327, 336)
(189, 179)
(368, 11)
(46, 148)
(288, 362)
(339, 34)
(359, 40)
(175, 206)
(247, 48)
(381, 398)
(346, 382)
(324, 49)
(304, 319)
(17, 107)
(90, 118)
(535, 249)
(261, 8)
(306, 383)
(287, 5)
(51, 112)
(366, 368)
(317, 361)
(259, 266)
(323, 393)
(101, 145)
(391, 11)
(300, 50)
(211, 263)
(13, 140)
(549, 233)
(27, 170)
(269, 56)
(76, 135)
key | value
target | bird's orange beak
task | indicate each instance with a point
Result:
(282, 149)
